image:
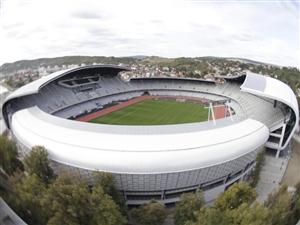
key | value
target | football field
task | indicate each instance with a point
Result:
(156, 112)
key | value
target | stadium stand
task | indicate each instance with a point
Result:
(176, 158)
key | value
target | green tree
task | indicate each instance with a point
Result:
(26, 198)
(246, 214)
(236, 195)
(106, 181)
(297, 190)
(185, 209)
(9, 161)
(36, 162)
(295, 212)
(280, 205)
(104, 210)
(152, 213)
(260, 160)
(210, 216)
(67, 201)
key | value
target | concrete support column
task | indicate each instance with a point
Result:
(277, 153)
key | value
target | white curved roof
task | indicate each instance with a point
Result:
(145, 149)
(93, 148)
(3, 90)
(33, 87)
(274, 89)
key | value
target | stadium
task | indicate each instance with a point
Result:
(159, 137)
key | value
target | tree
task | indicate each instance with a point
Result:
(106, 181)
(26, 198)
(185, 209)
(210, 216)
(297, 190)
(236, 195)
(67, 201)
(260, 160)
(9, 161)
(70, 201)
(152, 213)
(104, 210)
(295, 212)
(36, 162)
(246, 214)
(280, 205)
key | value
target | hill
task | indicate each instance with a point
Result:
(9, 68)
(197, 67)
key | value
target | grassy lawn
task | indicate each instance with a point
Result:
(156, 112)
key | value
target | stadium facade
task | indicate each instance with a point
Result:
(152, 162)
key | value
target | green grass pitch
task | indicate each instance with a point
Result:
(156, 112)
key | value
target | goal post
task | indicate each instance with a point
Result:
(211, 111)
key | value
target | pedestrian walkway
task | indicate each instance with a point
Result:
(270, 176)
(2, 126)
(297, 138)
(292, 175)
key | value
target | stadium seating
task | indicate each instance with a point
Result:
(71, 101)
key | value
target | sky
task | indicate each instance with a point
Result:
(262, 30)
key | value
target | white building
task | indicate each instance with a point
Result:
(152, 162)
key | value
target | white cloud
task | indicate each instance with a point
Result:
(264, 31)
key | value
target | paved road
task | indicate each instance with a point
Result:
(272, 173)
(2, 126)
(270, 176)
(292, 175)
(296, 138)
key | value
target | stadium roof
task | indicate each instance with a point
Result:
(3, 90)
(271, 88)
(145, 149)
(34, 87)
(274, 89)
(90, 146)
(175, 78)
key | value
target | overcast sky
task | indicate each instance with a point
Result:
(261, 30)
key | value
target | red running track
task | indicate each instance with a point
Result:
(220, 111)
